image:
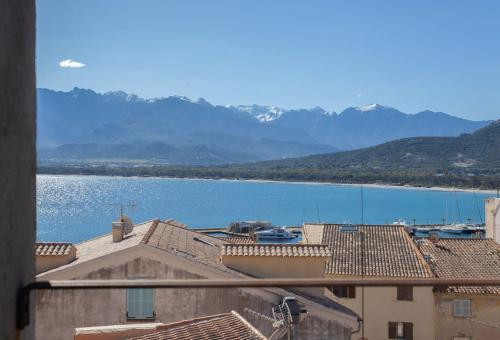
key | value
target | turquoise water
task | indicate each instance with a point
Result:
(76, 208)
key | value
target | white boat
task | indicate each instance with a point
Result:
(400, 221)
(277, 233)
(452, 229)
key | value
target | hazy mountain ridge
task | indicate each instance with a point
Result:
(82, 118)
(479, 151)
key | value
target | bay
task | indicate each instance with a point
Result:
(77, 208)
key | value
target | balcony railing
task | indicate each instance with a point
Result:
(23, 302)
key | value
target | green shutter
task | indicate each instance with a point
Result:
(140, 303)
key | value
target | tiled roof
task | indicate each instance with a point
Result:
(238, 240)
(462, 259)
(169, 236)
(53, 249)
(223, 326)
(289, 250)
(372, 250)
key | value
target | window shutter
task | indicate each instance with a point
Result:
(132, 304)
(408, 330)
(393, 330)
(352, 292)
(140, 303)
(405, 293)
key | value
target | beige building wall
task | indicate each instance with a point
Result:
(48, 262)
(279, 267)
(492, 214)
(59, 312)
(485, 315)
(381, 306)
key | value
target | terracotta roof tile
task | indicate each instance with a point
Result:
(172, 236)
(238, 240)
(53, 249)
(462, 259)
(262, 249)
(373, 250)
(223, 326)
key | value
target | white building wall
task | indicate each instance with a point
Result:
(492, 213)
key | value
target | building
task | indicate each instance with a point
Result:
(492, 212)
(465, 313)
(222, 326)
(168, 250)
(52, 255)
(381, 251)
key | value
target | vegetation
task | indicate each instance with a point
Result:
(468, 161)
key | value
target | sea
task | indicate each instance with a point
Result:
(78, 208)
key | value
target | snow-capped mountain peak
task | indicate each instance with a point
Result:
(261, 113)
(370, 107)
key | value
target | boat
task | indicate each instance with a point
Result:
(452, 229)
(400, 221)
(277, 233)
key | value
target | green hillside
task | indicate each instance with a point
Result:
(468, 161)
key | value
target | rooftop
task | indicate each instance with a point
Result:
(464, 258)
(223, 326)
(53, 249)
(284, 250)
(238, 239)
(371, 250)
(175, 237)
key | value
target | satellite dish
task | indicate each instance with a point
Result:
(128, 225)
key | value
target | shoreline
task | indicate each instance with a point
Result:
(368, 185)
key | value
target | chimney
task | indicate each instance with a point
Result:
(117, 231)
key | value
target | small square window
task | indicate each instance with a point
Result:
(405, 293)
(461, 308)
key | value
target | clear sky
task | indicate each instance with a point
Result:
(412, 55)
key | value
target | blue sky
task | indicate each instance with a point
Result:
(412, 55)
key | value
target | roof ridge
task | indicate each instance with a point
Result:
(188, 229)
(150, 231)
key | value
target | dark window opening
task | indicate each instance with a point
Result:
(401, 330)
(348, 292)
(405, 293)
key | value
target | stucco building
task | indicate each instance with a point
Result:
(383, 252)
(492, 214)
(221, 326)
(167, 249)
(465, 313)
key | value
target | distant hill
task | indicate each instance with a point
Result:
(479, 150)
(467, 161)
(84, 125)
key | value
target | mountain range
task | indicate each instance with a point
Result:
(83, 124)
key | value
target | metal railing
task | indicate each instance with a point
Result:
(23, 302)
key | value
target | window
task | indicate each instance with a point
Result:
(140, 303)
(462, 338)
(344, 291)
(401, 330)
(405, 293)
(461, 308)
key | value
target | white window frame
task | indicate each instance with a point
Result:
(462, 308)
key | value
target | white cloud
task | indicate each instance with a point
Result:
(71, 63)
(359, 95)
